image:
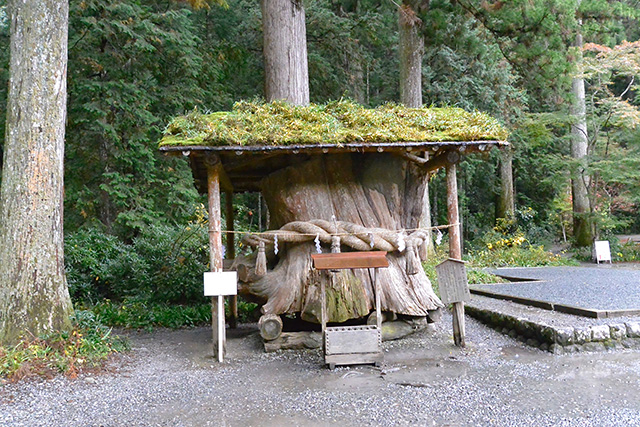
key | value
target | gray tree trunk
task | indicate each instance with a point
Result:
(506, 203)
(583, 231)
(33, 292)
(370, 190)
(285, 51)
(411, 52)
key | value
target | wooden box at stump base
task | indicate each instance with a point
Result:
(352, 345)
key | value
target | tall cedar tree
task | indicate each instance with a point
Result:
(34, 298)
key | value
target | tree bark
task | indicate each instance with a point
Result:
(583, 232)
(285, 51)
(34, 297)
(411, 49)
(373, 191)
(506, 203)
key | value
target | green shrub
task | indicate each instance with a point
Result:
(176, 259)
(517, 256)
(506, 246)
(143, 314)
(248, 312)
(100, 266)
(625, 252)
(164, 264)
(87, 345)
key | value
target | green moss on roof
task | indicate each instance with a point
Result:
(279, 123)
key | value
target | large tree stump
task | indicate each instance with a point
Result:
(369, 190)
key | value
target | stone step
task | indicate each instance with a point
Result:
(554, 331)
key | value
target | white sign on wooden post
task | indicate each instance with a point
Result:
(602, 251)
(452, 281)
(218, 284)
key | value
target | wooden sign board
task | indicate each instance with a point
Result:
(220, 283)
(601, 250)
(452, 281)
(347, 260)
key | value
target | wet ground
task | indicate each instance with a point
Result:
(170, 379)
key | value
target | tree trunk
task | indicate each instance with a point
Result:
(373, 191)
(583, 232)
(285, 51)
(34, 297)
(506, 204)
(411, 52)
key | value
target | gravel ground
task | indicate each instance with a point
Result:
(599, 288)
(169, 379)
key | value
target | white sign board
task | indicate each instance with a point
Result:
(602, 251)
(220, 283)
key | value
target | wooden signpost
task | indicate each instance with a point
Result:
(454, 289)
(455, 251)
(218, 285)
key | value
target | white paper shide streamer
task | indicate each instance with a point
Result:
(438, 237)
(401, 243)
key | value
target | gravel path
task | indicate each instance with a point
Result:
(170, 380)
(595, 288)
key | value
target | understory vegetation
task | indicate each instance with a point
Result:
(86, 347)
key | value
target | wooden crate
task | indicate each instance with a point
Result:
(351, 345)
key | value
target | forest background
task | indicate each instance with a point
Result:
(134, 223)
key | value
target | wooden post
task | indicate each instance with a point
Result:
(378, 297)
(231, 254)
(455, 248)
(323, 305)
(215, 253)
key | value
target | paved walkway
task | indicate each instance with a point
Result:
(591, 288)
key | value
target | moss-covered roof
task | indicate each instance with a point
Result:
(339, 122)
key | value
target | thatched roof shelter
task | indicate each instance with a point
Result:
(365, 167)
(256, 139)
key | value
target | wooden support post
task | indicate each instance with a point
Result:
(378, 297)
(323, 305)
(455, 248)
(231, 254)
(215, 253)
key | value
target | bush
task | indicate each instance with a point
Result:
(624, 252)
(507, 246)
(87, 345)
(164, 264)
(142, 314)
(176, 260)
(99, 265)
(517, 256)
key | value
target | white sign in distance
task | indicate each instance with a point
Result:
(220, 283)
(602, 250)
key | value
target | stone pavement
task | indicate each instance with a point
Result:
(605, 292)
(563, 309)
